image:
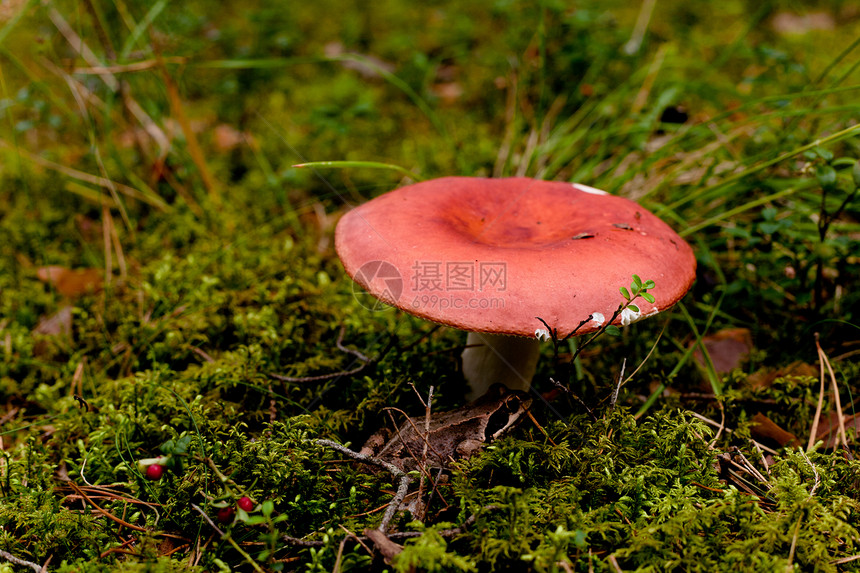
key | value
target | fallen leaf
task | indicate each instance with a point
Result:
(58, 324)
(764, 378)
(798, 24)
(225, 137)
(448, 92)
(727, 348)
(51, 328)
(71, 283)
(765, 429)
(828, 429)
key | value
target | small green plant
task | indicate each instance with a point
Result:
(627, 312)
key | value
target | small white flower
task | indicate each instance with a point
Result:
(542, 334)
(598, 318)
(628, 316)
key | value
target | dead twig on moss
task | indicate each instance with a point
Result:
(576, 398)
(104, 512)
(364, 362)
(814, 472)
(399, 474)
(840, 416)
(18, 561)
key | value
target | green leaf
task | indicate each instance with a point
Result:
(648, 296)
(633, 307)
(855, 173)
(267, 508)
(824, 154)
(625, 293)
(613, 330)
(769, 228)
(637, 282)
(826, 176)
(649, 285)
(255, 520)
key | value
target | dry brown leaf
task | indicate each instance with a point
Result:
(51, 328)
(829, 429)
(727, 348)
(788, 23)
(225, 137)
(58, 324)
(448, 92)
(71, 283)
(764, 378)
(765, 429)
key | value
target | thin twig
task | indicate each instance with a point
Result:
(126, 68)
(761, 455)
(426, 437)
(156, 202)
(104, 512)
(650, 352)
(789, 566)
(364, 363)
(77, 43)
(844, 560)
(402, 488)
(722, 425)
(814, 472)
(17, 561)
(283, 378)
(418, 394)
(615, 392)
(360, 540)
(356, 353)
(729, 431)
(578, 400)
(813, 431)
(427, 416)
(838, 402)
(421, 435)
(745, 463)
(539, 427)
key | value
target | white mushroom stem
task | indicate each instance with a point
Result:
(492, 358)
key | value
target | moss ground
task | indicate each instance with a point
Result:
(169, 292)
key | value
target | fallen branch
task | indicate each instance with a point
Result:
(17, 561)
(402, 488)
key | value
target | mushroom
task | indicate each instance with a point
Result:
(490, 255)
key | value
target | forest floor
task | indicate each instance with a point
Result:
(177, 333)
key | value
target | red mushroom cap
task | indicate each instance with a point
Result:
(489, 255)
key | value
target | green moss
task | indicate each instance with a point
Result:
(212, 291)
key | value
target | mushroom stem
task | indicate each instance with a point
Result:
(491, 358)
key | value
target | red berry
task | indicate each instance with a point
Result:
(225, 514)
(245, 503)
(154, 472)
